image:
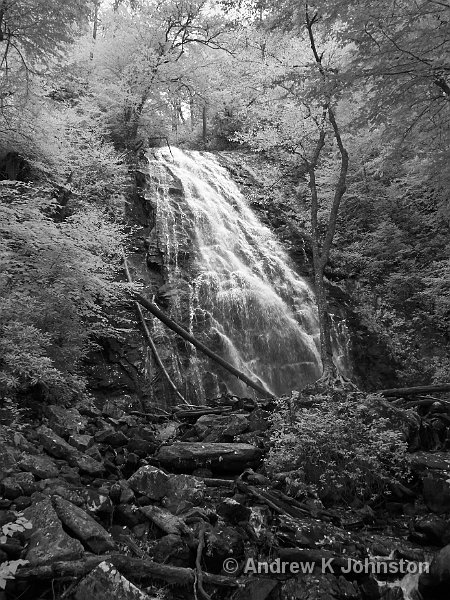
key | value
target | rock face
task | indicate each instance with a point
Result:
(84, 527)
(106, 583)
(220, 458)
(49, 542)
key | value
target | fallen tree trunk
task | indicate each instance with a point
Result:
(150, 306)
(220, 457)
(414, 391)
(135, 569)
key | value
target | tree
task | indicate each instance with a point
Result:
(32, 35)
(289, 109)
(140, 65)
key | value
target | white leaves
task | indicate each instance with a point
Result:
(8, 571)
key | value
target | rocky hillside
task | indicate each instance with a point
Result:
(115, 503)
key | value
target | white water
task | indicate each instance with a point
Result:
(242, 298)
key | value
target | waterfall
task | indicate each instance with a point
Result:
(229, 280)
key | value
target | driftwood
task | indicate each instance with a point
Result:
(135, 569)
(413, 391)
(150, 306)
(149, 338)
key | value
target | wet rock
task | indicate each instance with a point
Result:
(433, 528)
(223, 542)
(49, 542)
(167, 431)
(319, 586)
(105, 583)
(173, 550)
(436, 494)
(150, 482)
(435, 584)
(233, 512)
(82, 526)
(22, 502)
(20, 484)
(111, 437)
(68, 494)
(142, 447)
(81, 441)
(128, 515)
(42, 467)
(214, 428)
(220, 458)
(183, 492)
(256, 589)
(65, 421)
(115, 408)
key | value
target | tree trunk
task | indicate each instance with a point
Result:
(205, 125)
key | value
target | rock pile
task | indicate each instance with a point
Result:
(109, 504)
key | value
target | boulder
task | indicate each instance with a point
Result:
(214, 428)
(436, 584)
(319, 586)
(167, 431)
(173, 550)
(49, 542)
(65, 421)
(149, 481)
(20, 484)
(105, 583)
(219, 457)
(59, 448)
(436, 494)
(433, 528)
(223, 542)
(111, 437)
(183, 492)
(81, 441)
(82, 526)
(42, 467)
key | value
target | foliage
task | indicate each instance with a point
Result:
(57, 280)
(32, 36)
(9, 568)
(17, 526)
(345, 445)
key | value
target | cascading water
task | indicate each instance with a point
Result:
(231, 283)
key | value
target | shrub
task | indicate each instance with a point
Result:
(343, 445)
(56, 284)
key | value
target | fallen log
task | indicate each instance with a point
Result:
(220, 457)
(150, 306)
(135, 569)
(413, 391)
(195, 414)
